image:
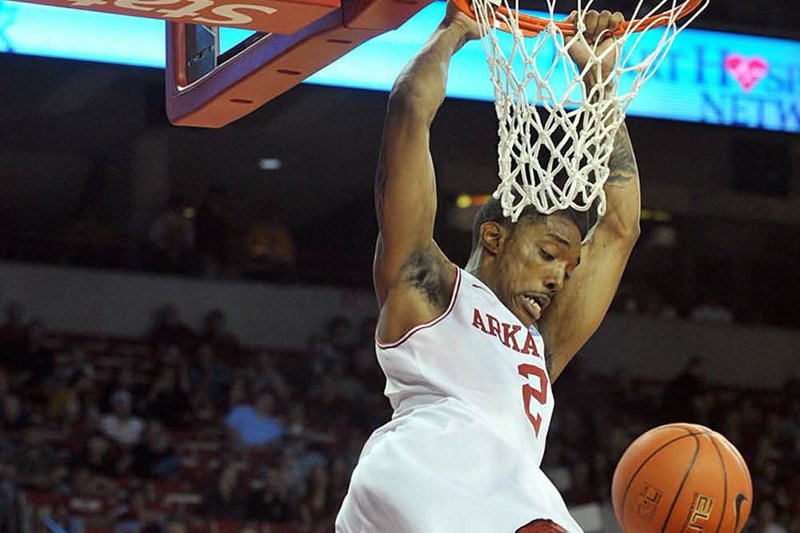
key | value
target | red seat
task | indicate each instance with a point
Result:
(38, 498)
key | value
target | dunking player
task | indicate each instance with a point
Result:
(469, 355)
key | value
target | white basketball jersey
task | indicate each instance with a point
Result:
(472, 406)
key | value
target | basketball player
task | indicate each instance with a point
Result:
(469, 355)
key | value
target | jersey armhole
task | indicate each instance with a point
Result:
(431, 323)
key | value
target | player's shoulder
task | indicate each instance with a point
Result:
(423, 292)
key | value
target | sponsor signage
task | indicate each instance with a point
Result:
(709, 77)
(280, 16)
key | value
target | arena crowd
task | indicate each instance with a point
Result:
(186, 429)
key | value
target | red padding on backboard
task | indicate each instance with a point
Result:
(277, 16)
(266, 69)
(274, 64)
(381, 15)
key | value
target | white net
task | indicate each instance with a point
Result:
(559, 158)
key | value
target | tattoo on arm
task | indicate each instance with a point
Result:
(622, 163)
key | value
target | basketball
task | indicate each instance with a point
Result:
(681, 477)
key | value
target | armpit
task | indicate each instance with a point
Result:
(424, 272)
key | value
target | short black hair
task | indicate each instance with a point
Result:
(492, 211)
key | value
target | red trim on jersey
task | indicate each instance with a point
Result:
(432, 323)
(541, 526)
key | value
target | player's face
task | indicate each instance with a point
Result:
(534, 264)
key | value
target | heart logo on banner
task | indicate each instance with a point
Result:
(748, 71)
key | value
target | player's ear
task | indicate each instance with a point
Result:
(493, 236)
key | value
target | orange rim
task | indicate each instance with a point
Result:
(532, 26)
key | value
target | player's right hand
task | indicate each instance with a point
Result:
(595, 40)
(456, 16)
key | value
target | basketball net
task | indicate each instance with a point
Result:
(560, 160)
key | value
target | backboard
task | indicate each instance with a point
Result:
(206, 87)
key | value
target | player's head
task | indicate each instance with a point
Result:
(526, 263)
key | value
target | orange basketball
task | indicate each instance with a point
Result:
(682, 478)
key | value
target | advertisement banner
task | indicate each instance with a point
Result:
(709, 77)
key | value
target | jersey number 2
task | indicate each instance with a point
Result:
(528, 392)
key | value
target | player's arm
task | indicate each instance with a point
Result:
(412, 277)
(580, 307)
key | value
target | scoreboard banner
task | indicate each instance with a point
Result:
(708, 77)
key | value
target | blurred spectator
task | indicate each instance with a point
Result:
(169, 328)
(226, 497)
(272, 503)
(240, 391)
(365, 365)
(318, 505)
(14, 413)
(625, 299)
(126, 378)
(270, 249)
(210, 374)
(121, 425)
(39, 359)
(297, 425)
(14, 337)
(168, 398)
(321, 354)
(172, 238)
(204, 409)
(340, 335)
(299, 462)
(340, 479)
(212, 232)
(136, 514)
(681, 393)
(266, 376)
(653, 303)
(88, 502)
(155, 456)
(74, 400)
(100, 457)
(603, 471)
(223, 342)
(767, 519)
(22, 350)
(710, 309)
(255, 425)
(37, 464)
(767, 478)
(346, 385)
(331, 408)
(581, 491)
(176, 524)
(8, 498)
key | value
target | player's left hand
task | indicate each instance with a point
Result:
(596, 39)
(468, 24)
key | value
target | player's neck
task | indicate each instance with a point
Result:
(478, 266)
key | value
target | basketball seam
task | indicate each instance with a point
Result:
(636, 473)
(725, 476)
(683, 482)
(737, 456)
